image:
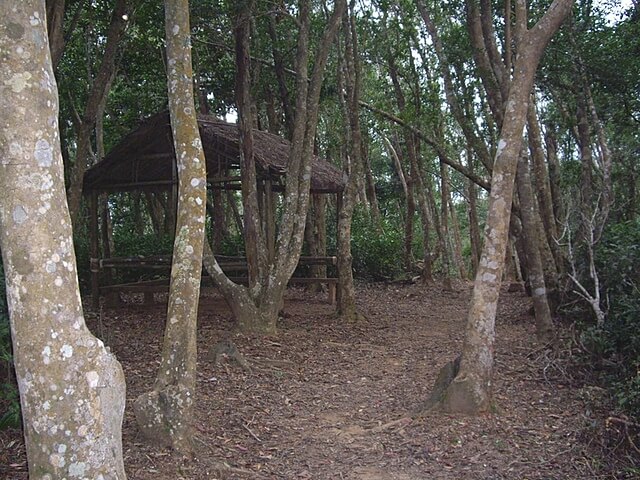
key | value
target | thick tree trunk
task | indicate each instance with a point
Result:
(72, 389)
(164, 415)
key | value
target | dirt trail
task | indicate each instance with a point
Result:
(324, 398)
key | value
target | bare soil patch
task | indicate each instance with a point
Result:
(329, 400)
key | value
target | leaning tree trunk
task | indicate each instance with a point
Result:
(72, 390)
(471, 389)
(164, 415)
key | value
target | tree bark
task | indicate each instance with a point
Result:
(72, 390)
(542, 184)
(346, 300)
(165, 414)
(471, 389)
(256, 308)
(544, 323)
(98, 91)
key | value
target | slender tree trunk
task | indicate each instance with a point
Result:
(474, 228)
(444, 225)
(256, 308)
(98, 91)
(165, 414)
(544, 324)
(316, 235)
(370, 186)
(346, 301)
(55, 27)
(72, 390)
(457, 242)
(554, 175)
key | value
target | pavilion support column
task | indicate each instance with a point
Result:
(95, 261)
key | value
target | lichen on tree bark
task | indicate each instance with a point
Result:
(72, 388)
(164, 415)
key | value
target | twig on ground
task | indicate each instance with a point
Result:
(401, 422)
(251, 432)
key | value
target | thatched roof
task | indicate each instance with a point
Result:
(145, 157)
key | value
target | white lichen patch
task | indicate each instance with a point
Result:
(57, 460)
(19, 214)
(488, 277)
(15, 149)
(19, 81)
(66, 351)
(58, 282)
(175, 30)
(77, 469)
(43, 153)
(46, 355)
(92, 378)
(34, 19)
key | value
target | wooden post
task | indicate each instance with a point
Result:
(94, 261)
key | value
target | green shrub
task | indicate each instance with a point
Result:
(618, 341)
(377, 253)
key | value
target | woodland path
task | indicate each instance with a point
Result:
(320, 402)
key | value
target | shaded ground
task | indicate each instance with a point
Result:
(322, 399)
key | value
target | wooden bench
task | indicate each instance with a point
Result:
(150, 287)
(231, 264)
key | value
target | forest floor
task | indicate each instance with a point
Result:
(323, 398)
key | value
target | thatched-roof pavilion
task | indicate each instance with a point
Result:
(145, 160)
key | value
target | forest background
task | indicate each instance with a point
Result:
(423, 109)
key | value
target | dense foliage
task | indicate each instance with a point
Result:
(617, 344)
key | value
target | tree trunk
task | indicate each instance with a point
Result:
(544, 324)
(346, 300)
(55, 27)
(98, 91)
(444, 227)
(474, 228)
(165, 414)
(256, 308)
(471, 389)
(541, 177)
(72, 390)
(554, 175)
(316, 235)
